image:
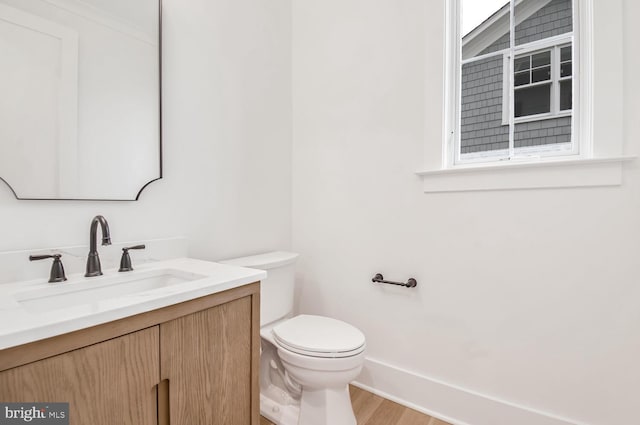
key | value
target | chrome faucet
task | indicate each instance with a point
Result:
(93, 261)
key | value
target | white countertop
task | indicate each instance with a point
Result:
(19, 325)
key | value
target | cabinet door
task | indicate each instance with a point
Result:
(113, 382)
(207, 359)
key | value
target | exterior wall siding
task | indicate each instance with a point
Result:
(500, 44)
(553, 19)
(543, 132)
(481, 115)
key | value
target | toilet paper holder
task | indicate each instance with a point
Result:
(410, 283)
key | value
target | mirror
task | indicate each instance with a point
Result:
(80, 98)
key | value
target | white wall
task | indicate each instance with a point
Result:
(525, 296)
(227, 122)
(527, 305)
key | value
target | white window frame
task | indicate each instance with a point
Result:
(600, 98)
(554, 44)
(580, 145)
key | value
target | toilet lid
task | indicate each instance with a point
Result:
(318, 335)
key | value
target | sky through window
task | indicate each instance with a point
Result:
(474, 12)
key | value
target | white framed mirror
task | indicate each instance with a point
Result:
(80, 110)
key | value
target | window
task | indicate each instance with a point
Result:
(480, 152)
(515, 88)
(543, 85)
(532, 81)
(566, 82)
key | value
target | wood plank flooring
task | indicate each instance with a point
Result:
(371, 409)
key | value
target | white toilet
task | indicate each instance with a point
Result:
(306, 362)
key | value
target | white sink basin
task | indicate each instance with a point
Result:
(35, 310)
(95, 290)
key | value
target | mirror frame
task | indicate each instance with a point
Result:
(160, 137)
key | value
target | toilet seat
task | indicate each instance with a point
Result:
(306, 353)
(318, 336)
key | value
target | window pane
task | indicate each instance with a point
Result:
(522, 78)
(566, 95)
(473, 14)
(541, 59)
(541, 74)
(536, 91)
(550, 18)
(545, 132)
(481, 128)
(521, 64)
(532, 100)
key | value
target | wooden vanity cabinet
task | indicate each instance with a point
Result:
(206, 358)
(104, 384)
(194, 363)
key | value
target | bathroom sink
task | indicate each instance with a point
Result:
(93, 291)
(33, 310)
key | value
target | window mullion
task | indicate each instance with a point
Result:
(512, 42)
(555, 81)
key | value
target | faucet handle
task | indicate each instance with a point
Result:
(125, 261)
(134, 247)
(57, 269)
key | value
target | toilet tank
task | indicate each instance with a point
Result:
(276, 290)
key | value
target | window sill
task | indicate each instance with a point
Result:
(591, 172)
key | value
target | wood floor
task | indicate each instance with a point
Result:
(371, 409)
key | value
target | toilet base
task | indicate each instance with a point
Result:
(329, 406)
(278, 413)
(321, 407)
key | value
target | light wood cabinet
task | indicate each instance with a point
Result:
(194, 363)
(206, 358)
(112, 382)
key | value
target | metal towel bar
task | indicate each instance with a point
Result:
(411, 283)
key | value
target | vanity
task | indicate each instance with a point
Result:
(173, 342)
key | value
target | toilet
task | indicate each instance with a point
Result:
(306, 361)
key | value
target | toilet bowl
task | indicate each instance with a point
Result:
(306, 361)
(322, 355)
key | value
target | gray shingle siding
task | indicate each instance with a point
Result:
(481, 119)
(553, 19)
(481, 115)
(500, 44)
(544, 132)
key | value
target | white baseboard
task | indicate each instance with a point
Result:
(447, 402)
